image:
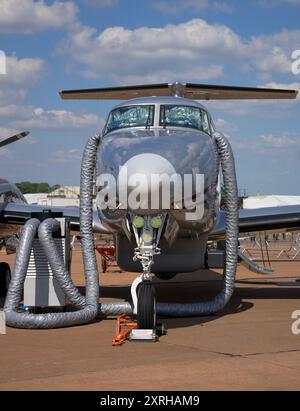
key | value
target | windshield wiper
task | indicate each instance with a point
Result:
(149, 119)
(148, 123)
(163, 117)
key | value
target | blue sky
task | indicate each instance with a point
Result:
(52, 45)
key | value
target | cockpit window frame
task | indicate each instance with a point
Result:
(148, 125)
(202, 111)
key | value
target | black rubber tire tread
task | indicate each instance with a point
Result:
(3, 271)
(146, 307)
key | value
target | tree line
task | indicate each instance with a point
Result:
(26, 187)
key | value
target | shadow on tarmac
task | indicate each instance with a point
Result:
(196, 290)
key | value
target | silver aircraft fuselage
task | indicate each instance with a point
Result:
(187, 151)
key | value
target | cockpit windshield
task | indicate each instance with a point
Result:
(130, 116)
(184, 116)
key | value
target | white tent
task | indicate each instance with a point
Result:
(36, 198)
(270, 201)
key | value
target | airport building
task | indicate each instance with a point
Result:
(64, 196)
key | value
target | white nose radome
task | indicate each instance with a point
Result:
(141, 176)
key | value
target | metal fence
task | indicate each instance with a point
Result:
(274, 247)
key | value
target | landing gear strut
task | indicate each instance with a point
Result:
(147, 231)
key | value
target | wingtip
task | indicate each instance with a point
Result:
(61, 93)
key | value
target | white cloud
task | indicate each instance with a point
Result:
(28, 16)
(9, 110)
(6, 153)
(225, 127)
(277, 3)
(179, 6)
(195, 49)
(272, 54)
(65, 156)
(23, 71)
(268, 144)
(16, 114)
(14, 110)
(39, 118)
(6, 132)
(10, 95)
(200, 73)
(279, 141)
(103, 3)
(191, 51)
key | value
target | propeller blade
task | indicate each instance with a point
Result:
(14, 138)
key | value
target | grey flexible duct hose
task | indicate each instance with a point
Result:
(46, 229)
(221, 299)
(91, 307)
(14, 296)
(25, 320)
(88, 306)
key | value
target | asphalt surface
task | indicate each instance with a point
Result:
(248, 346)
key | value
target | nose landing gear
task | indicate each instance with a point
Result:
(147, 231)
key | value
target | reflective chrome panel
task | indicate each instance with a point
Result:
(187, 151)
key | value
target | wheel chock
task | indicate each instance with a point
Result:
(124, 328)
(127, 330)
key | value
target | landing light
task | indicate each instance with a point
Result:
(147, 237)
(156, 222)
(138, 222)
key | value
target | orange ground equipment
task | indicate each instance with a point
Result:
(124, 328)
(127, 329)
(107, 250)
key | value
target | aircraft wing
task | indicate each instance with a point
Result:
(284, 218)
(187, 90)
(271, 219)
(13, 214)
(216, 92)
(117, 93)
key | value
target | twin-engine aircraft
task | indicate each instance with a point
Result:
(158, 186)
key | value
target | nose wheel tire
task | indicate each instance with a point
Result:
(146, 307)
(5, 277)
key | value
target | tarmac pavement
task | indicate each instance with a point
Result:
(249, 346)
